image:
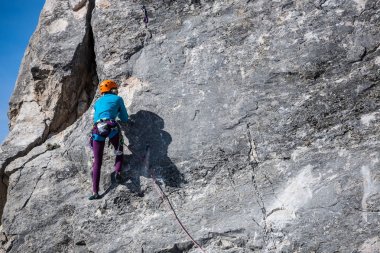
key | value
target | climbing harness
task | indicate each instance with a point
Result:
(103, 127)
(146, 19)
(161, 192)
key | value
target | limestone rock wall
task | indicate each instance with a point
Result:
(57, 78)
(56, 82)
(262, 119)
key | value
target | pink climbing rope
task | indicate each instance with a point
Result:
(164, 196)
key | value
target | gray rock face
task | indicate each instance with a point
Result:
(55, 84)
(262, 119)
(77, 4)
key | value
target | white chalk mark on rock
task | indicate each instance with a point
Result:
(360, 4)
(370, 187)
(296, 194)
(57, 26)
(366, 119)
(370, 245)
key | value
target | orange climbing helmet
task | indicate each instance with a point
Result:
(107, 85)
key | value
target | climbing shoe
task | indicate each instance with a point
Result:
(118, 178)
(95, 196)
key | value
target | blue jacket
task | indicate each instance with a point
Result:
(109, 106)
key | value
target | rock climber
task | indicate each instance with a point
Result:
(107, 108)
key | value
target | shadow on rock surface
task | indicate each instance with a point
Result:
(146, 129)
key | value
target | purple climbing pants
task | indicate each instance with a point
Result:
(98, 148)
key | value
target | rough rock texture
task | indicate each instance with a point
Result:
(56, 81)
(262, 119)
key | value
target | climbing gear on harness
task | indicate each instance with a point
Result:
(146, 19)
(107, 85)
(104, 127)
(95, 196)
(121, 140)
(118, 152)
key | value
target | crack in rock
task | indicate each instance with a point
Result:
(38, 180)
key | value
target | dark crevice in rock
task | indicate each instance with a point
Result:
(195, 114)
(8, 174)
(287, 5)
(27, 201)
(30, 159)
(134, 51)
(79, 5)
(369, 51)
(5, 178)
(178, 248)
(6, 242)
(79, 88)
(318, 4)
(369, 88)
(78, 91)
(81, 243)
(360, 57)
(236, 239)
(14, 110)
(363, 54)
(196, 2)
(260, 202)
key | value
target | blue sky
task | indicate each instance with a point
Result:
(18, 21)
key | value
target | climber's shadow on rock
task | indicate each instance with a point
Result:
(146, 129)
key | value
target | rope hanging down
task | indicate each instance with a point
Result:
(162, 193)
(146, 19)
